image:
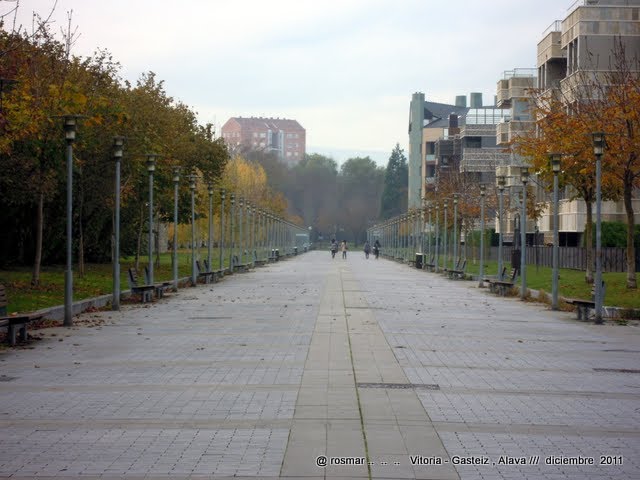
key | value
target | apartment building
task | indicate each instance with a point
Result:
(286, 138)
(572, 53)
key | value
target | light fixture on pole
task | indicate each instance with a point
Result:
(192, 187)
(445, 240)
(70, 126)
(555, 167)
(151, 167)
(232, 240)
(501, 184)
(118, 145)
(524, 177)
(482, 195)
(455, 231)
(598, 150)
(176, 183)
(209, 243)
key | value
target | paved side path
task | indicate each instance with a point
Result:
(400, 373)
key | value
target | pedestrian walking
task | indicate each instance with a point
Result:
(376, 248)
(334, 248)
(344, 248)
(367, 249)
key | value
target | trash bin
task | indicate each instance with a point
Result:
(515, 259)
(419, 260)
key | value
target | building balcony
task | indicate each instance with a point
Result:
(483, 159)
(506, 132)
(550, 47)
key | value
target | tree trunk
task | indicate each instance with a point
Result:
(631, 250)
(81, 269)
(35, 278)
(588, 243)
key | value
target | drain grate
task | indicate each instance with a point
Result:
(426, 386)
(616, 370)
(4, 378)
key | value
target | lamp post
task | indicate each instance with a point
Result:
(118, 144)
(176, 182)
(455, 231)
(555, 166)
(232, 244)
(221, 245)
(240, 229)
(598, 151)
(524, 177)
(151, 167)
(210, 192)
(192, 187)
(446, 244)
(437, 236)
(429, 235)
(70, 125)
(501, 184)
(482, 195)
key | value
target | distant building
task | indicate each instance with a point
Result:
(284, 137)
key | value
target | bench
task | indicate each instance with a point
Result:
(431, 264)
(145, 291)
(205, 275)
(446, 269)
(583, 306)
(458, 273)
(240, 267)
(14, 323)
(218, 274)
(492, 278)
(159, 286)
(501, 286)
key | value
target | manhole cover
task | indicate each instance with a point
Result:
(4, 378)
(616, 370)
(426, 386)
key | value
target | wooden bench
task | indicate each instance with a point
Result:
(458, 273)
(446, 269)
(160, 287)
(583, 306)
(501, 285)
(205, 275)
(14, 323)
(240, 267)
(145, 291)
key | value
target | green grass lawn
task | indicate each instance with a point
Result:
(96, 281)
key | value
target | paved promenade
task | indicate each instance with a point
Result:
(398, 372)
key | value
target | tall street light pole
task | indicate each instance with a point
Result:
(482, 195)
(210, 192)
(118, 143)
(455, 231)
(221, 245)
(437, 236)
(555, 166)
(598, 151)
(70, 125)
(231, 233)
(524, 177)
(501, 184)
(176, 182)
(446, 243)
(192, 187)
(151, 166)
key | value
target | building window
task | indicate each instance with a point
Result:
(263, 134)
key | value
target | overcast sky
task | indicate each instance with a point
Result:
(345, 69)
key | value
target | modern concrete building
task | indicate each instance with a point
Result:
(572, 53)
(285, 137)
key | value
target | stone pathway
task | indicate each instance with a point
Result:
(379, 370)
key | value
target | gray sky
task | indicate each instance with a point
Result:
(345, 69)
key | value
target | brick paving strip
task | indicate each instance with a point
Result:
(257, 376)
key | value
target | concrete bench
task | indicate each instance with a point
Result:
(583, 306)
(15, 324)
(145, 291)
(502, 286)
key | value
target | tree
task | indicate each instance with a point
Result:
(396, 183)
